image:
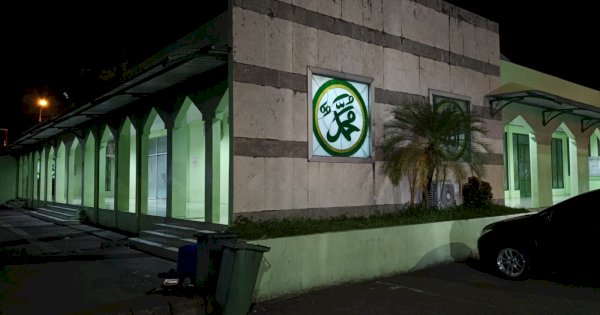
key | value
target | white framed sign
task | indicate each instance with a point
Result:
(340, 111)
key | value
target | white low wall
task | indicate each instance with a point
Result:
(299, 263)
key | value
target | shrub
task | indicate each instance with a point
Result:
(476, 193)
(252, 230)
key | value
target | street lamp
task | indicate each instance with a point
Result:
(42, 103)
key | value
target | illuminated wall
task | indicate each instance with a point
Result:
(61, 174)
(576, 144)
(398, 52)
(8, 173)
(127, 167)
(51, 175)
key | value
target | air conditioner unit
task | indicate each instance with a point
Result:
(443, 194)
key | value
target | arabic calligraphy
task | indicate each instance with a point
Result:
(340, 118)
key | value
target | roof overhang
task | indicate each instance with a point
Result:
(167, 69)
(553, 105)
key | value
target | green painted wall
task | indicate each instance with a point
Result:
(102, 175)
(133, 180)
(299, 263)
(594, 151)
(75, 173)
(180, 170)
(61, 174)
(224, 173)
(51, 172)
(37, 164)
(196, 164)
(89, 173)
(43, 175)
(126, 159)
(8, 173)
(188, 163)
(106, 190)
(513, 73)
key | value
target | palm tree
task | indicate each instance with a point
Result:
(423, 141)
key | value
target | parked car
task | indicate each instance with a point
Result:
(564, 238)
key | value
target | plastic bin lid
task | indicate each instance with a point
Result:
(240, 244)
(214, 234)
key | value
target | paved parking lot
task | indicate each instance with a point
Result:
(48, 268)
(455, 288)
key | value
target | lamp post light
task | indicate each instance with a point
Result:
(42, 103)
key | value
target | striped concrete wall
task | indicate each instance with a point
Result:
(406, 47)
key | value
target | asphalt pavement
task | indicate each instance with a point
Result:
(453, 288)
(48, 268)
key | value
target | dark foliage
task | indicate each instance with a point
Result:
(477, 193)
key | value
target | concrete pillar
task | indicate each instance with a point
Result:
(89, 170)
(139, 188)
(216, 170)
(178, 185)
(209, 175)
(583, 167)
(18, 183)
(122, 171)
(31, 179)
(36, 180)
(169, 126)
(541, 194)
(44, 178)
(102, 172)
(96, 176)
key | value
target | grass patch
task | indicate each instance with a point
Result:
(252, 230)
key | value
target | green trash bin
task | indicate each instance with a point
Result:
(208, 258)
(237, 276)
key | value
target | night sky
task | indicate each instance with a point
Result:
(49, 51)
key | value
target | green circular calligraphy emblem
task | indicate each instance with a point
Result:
(457, 144)
(340, 118)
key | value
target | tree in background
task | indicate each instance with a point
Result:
(423, 142)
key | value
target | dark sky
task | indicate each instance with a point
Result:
(50, 50)
(555, 37)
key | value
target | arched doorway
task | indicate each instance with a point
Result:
(154, 146)
(188, 164)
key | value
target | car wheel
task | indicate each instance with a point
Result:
(512, 263)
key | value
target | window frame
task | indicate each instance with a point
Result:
(371, 139)
(460, 98)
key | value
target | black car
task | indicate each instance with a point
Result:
(563, 237)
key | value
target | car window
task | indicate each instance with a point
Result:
(581, 210)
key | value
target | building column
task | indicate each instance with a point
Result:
(541, 193)
(31, 179)
(44, 177)
(209, 174)
(169, 123)
(97, 142)
(18, 176)
(138, 174)
(583, 164)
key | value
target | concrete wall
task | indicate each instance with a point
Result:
(299, 263)
(8, 174)
(514, 73)
(531, 118)
(407, 48)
